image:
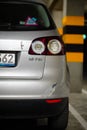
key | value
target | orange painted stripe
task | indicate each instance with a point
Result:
(73, 39)
(73, 20)
(60, 30)
(74, 57)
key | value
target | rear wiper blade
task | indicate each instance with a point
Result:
(5, 25)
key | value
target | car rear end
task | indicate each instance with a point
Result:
(34, 77)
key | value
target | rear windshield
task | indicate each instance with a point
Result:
(31, 16)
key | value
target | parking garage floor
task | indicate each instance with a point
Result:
(77, 116)
(78, 112)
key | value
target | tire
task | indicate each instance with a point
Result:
(59, 122)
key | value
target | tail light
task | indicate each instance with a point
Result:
(54, 46)
(50, 101)
(47, 46)
(38, 47)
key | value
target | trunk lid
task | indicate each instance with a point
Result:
(26, 66)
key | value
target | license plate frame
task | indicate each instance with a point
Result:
(7, 59)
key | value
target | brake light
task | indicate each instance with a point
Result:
(53, 101)
(47, 46)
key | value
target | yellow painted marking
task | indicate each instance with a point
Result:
(73, 39)
(73, 20)
(74, 57)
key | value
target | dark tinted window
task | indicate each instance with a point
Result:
(30, 16)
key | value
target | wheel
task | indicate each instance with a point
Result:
(59, 122)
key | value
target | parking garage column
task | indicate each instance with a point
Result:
(73, 23)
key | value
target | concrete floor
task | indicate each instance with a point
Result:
(77, 116)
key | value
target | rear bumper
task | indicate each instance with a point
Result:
(31, 108)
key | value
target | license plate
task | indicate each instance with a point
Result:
(7, 59)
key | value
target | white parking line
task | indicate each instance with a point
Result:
(78, 116)
(84, 91)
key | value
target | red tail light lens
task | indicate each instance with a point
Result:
(47, 46)
(50, 101)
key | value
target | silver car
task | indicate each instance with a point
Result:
(34, 76)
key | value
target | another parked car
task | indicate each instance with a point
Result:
(34, 76)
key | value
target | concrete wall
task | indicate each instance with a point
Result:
(58, 16)
(74, 59)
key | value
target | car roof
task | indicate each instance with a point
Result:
(35, 1)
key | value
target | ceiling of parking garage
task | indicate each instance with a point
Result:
(85, 5)
(54, 4)
(58, 4)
